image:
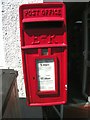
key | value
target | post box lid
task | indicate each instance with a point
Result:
(42, 19)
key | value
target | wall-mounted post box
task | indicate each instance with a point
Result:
(44, 53)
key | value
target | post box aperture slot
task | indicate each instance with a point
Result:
(46, 74)
(45, 24)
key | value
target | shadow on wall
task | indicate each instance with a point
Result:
(29, 112)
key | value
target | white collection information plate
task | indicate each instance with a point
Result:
(46, 74)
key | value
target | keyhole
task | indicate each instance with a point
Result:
(33, 78)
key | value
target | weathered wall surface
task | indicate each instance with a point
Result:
(11, 38)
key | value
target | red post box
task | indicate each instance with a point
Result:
(44, 53)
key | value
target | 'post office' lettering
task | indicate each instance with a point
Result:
(43, 12)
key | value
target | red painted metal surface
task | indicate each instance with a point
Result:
(43, 39)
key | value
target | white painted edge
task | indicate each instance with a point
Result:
(89, 99)
(34, 1)
(2, 54)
